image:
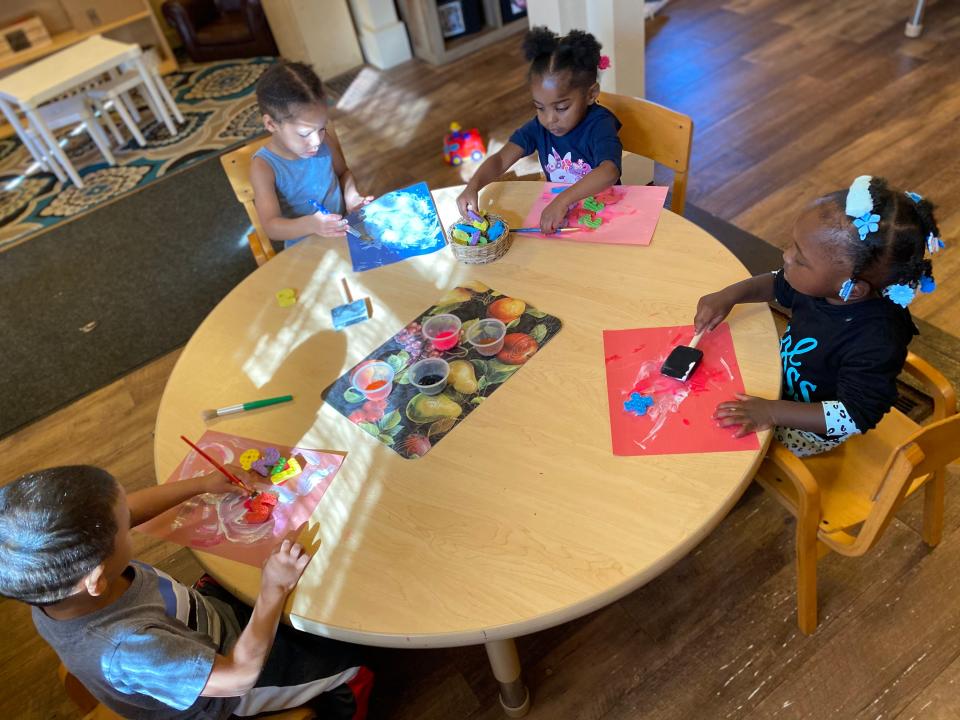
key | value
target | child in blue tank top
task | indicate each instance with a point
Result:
(576, 139)
(301, 182)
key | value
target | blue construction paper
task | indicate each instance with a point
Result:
(396, 226)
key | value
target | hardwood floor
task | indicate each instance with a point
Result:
(790, 99)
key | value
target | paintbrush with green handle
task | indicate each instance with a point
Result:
(242, 407)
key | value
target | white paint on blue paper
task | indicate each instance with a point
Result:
(396, 226)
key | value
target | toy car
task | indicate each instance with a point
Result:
(461, 145)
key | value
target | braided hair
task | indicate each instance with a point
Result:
(548, 53)
(286, 84)
(56, 526)
(894, 253)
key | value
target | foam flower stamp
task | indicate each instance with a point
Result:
(867, 223)
(604, 63)
(901, 294)
(638, 404)
(927, 284)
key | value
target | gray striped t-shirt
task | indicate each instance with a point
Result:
(149, 654)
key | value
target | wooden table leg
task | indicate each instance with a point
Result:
(505, 663)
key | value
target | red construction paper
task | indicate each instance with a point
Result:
(630, 214)
(232, 525)
(681, 418)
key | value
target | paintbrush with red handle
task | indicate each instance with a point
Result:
(229, 475)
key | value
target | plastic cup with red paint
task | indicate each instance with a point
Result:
(443, 331)
(486, 336)
(374, 380)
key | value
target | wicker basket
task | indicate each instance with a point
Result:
(480, 254)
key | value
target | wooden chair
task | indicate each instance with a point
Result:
(844, 499)
(659, 133)
(236, 165)
(92, 710)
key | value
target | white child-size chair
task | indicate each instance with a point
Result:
(115, 94)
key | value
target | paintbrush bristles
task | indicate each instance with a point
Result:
(220, 412)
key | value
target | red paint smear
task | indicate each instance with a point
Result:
(709, 385)
(611, 358)
(376, 385)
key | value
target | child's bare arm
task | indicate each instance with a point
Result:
(268, 209)
(595, 181)
(237, 672)
(752, 414)
(352, 199)
(491, 168)
(148, 503)
(713, 308)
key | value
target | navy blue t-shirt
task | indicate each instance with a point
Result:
(851, 353)
(567, 159)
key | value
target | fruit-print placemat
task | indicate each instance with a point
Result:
(410, 422)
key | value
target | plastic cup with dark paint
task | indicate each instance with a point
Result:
(486, 336)
(429, 376)
(443, 331)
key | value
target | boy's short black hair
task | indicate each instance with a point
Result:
(577, 51)
(287, 84)
(56, 525)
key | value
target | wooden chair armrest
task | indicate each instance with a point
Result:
(940, 389)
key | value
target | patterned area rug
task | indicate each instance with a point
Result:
(220, 112)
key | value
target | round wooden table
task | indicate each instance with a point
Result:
(522, 518)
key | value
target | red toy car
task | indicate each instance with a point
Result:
(461, 145)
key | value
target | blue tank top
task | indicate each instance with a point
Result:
(302, 180)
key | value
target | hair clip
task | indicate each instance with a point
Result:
(927, 284)
(901, 294)
(846, 289)
(866, 223)
(604, 63)
(859, 206)
(914, 196)
(934, 244)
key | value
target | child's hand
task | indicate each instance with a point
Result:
(354, 201)
(468, 200)
(218, 483)
(283, 568)
(752, 414)
(329, 224)
(711, 310)
(554, 216)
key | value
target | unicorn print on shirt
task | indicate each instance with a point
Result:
(563, 169)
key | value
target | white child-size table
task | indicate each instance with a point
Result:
(46, 79)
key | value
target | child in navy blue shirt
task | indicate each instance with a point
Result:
(856, 262)
(575, 138)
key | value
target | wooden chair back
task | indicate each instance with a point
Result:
(910, 464)
(236, 164)
(657, 132)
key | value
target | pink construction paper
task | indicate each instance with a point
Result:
(681, 417)
(630, 214)
(211, 522)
